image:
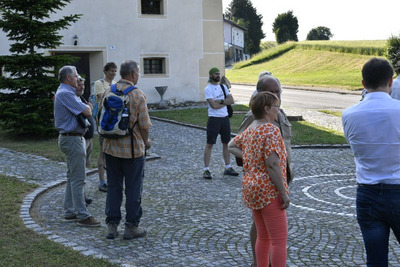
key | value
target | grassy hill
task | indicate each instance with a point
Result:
(311, 63)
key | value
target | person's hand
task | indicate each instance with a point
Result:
(147, 144)
(286, 201)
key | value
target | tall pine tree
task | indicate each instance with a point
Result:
(26, 105)
(244, 10)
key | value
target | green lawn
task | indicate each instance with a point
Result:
(304, 133)
(20, 246)
(47, 148)
(334, 113)
(308, 68)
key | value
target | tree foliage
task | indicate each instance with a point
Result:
(285, 27)
(393, 52)
(319, 33)
(244, 11)
(26, 105)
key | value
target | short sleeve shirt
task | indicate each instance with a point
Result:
(213, 91)
(100, 86)
(257, 145)
(67, 105)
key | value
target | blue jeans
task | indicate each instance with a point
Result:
(378, 211)
(132, 170)
(74, 148)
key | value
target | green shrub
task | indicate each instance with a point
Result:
(267, 45)
(266, 55)
(392, 52)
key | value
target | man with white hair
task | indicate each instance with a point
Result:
(67, 106)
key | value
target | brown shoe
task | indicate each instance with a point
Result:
(132, 231)
(112, 230)
(89, 222)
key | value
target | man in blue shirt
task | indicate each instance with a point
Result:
(67, 106)
(372, 129)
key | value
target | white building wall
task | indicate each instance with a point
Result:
(115, 31)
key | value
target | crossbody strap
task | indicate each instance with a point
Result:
(223, 89)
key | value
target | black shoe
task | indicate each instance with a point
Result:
(230, 171)
(207, 175)
(103, 188)
(88, 201)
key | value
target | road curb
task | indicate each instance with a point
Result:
(315, 89)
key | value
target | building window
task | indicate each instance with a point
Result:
(154, 65)
(154, 7)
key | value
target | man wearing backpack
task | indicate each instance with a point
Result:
(100, 86)
(126, 161)
(218, 122)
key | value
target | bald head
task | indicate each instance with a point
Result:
(271, 84)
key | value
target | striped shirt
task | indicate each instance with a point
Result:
(121, 147)
(66, 106)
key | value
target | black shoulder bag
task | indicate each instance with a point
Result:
(228, 107)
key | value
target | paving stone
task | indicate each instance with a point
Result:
(196, 222)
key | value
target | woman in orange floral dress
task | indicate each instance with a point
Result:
(264, 184)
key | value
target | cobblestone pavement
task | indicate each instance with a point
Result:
(196, 222)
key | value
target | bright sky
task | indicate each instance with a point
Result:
(347, 19)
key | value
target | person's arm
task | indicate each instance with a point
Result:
(229, 100)
(87, 112)
(274, 171)
(98, 90)
(215, 104)
(234, 149)
(144, 122)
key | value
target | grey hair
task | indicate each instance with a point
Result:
(64, 72)
(127, 67)
(264, 74)
(80, 78)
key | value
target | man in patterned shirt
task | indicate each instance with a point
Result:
(123, 163)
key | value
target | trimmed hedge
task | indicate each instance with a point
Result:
(266, 55)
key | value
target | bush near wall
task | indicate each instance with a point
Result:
(266, 55)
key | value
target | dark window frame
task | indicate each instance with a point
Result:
(152, 7)
(154, 65)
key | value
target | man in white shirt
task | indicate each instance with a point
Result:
(372, 128)
(218, 122)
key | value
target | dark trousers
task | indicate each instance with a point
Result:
(378, 211)
(132, 170)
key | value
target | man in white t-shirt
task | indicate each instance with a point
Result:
(218, 121)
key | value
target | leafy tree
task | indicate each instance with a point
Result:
(393, 52)
(320, 33)
(26, 105)
(243, 10)
(285, 27)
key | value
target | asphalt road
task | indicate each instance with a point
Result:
(302, 98)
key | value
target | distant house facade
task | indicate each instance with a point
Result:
(233, 42)
(175, 42)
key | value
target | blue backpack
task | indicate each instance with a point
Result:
(115, 111)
